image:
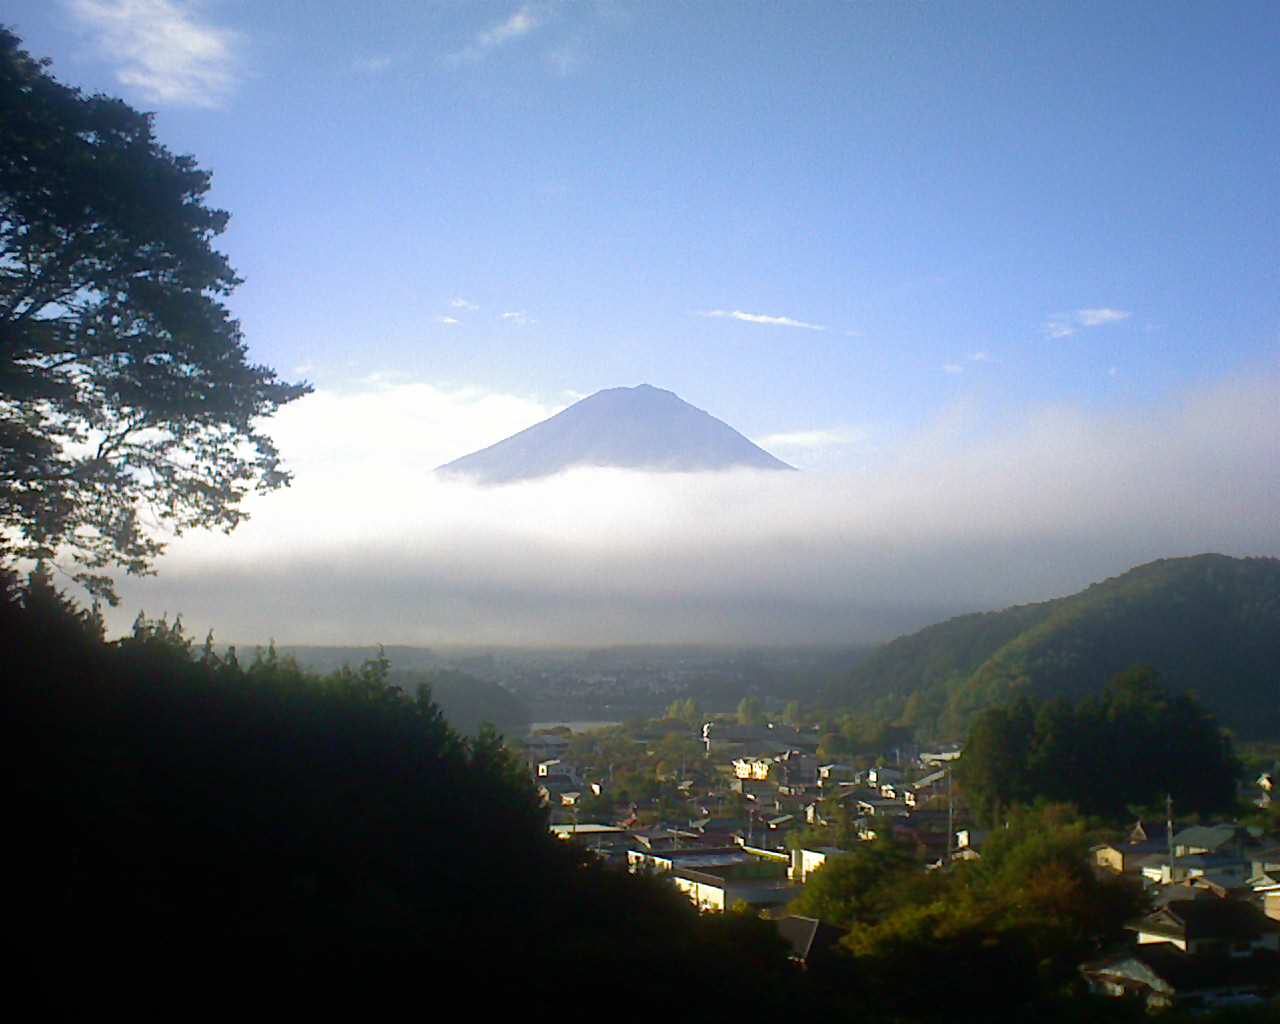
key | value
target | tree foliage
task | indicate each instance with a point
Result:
(750, 711)
(926, 945)
(199, 817)
(124, 383)
(857, 887)
(687, 711)
(1130, 747)
(468, 702)
(1209, 624)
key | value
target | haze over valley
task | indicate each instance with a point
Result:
(369, 545)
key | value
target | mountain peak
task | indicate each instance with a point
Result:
(642, 427)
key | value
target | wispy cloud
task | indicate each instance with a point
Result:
(458, 302)
(1063, 325)
(760, 318)
(372, 65)
(163, 49)
(980, 357)
(811, 439)
(524, 21)
(518, 317)
(952, 368)
(448, 321)
(1097, 317)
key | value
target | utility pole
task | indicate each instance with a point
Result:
(951, 817)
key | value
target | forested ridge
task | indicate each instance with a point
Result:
(1209, 625)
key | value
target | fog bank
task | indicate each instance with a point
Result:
(369, 546)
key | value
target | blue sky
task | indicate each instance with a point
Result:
(844, 228)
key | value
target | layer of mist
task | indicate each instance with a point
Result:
(369, 546)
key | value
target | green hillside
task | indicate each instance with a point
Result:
(1209, 624)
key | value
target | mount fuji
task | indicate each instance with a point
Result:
(630, 428)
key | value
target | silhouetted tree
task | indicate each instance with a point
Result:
(123, 378)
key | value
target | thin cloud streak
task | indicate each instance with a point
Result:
(760, 318)
(369, 546)
(519, 24)
(163, 50)
(1064, 325)
(1097, 317)
(812, 438)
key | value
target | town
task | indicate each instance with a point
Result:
(742, 817)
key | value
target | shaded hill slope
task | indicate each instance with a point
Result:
(190, 824)
(629, 428)
(1208, 624)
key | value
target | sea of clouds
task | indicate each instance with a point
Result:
(369, 546)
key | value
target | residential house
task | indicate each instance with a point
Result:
(797, 768)
(878, 805)
(1266, 792)
(877, 777)
(551, 788)
(1142, 832)
(832, 774)
(755, 767)
(608, 842)
(969, 843)
(1163, 976)
(663, 862)
(555, 766)
(1206, 951)
(1129, 858)
(721, 889)
(807, 860)
(1210, 924)
(1264, 874)
(1200, 839)
(1229, 870)
(929, 786)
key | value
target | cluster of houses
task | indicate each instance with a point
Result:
(735, 847)
(1212, 937)
(769, 784)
